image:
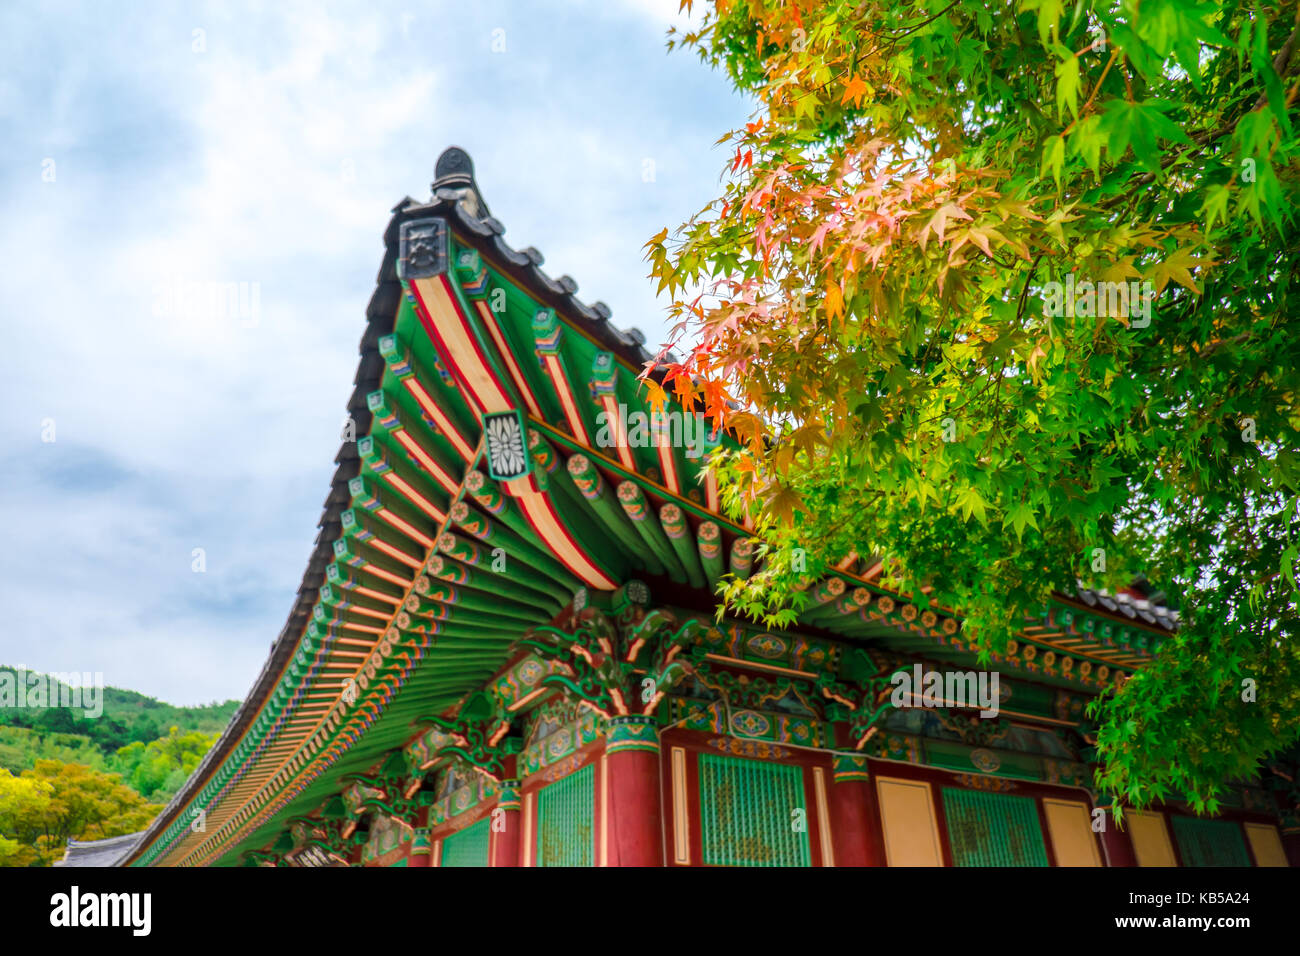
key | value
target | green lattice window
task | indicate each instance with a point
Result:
(1210, 842)
(468, 847)
(993, 829)
(565, 815)
(752, 813)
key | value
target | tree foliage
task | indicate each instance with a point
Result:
(42, 808)
(127, 716)
(869, 307)
(158, 769)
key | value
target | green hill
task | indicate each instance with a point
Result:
(28, 734)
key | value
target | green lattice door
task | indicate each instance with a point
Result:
(1210, 842)
(469, 847)
(565, 818)
(993, 829)
(752, 813)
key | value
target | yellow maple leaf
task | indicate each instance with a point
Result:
(1177, 267)
(782, 502)
(657, 238)
(655, 395)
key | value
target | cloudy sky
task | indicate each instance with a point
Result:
(145, 147)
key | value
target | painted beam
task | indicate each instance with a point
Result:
(587, 479)
(643, 520)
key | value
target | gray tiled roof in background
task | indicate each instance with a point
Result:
(1142, 609)
(99, 852)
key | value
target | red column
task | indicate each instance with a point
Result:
(1116, 843)
(507, 826)
(419, 853)
(635, 817)
(852, 812)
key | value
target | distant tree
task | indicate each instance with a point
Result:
(59, 720)
(108, 733)
(24, 811)
(45, 806)
(17, 718)
(157, 769)
(144, 729)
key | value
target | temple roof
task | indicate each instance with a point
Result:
(108, 852)
(463, 330)
(454, 193)
(1133, 604)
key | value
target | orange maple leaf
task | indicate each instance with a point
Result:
(854, 90)
(685, 390)
(834, 301)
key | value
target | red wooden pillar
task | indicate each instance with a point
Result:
(1116, 842)
(852, 810)
(420, 849)
(507, 826)
(632, 771)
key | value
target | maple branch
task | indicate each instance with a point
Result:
(1283, 59)
(1024, 292)
(1095, 88)
(895, 37)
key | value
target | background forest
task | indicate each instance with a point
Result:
(64, 776)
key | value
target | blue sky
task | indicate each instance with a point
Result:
(138, 155)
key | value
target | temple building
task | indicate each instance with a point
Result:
(506, 651)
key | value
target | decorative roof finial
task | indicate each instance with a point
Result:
(453, 178)
(454, 166)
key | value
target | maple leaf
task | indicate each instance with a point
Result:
(1020, 516)
(806, 438)
(747, 427)
(972, 504)
(939, 221)
(655, 395)
(684, 389)
(657, 238)
(819, 236)
(834, 301)
(1120, 270)
(1177, 267)
(782, 502)
(854, 90)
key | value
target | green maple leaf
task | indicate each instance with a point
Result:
(1086, 141)
(1020, 516)
(1054, 158)
(972, 504)
(1049, 15)
(1140, 125)
(1067, 86)
(1215, 206)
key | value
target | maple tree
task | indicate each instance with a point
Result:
(868, 307)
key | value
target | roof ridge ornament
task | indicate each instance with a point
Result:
(453, 179)
(422, 249)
